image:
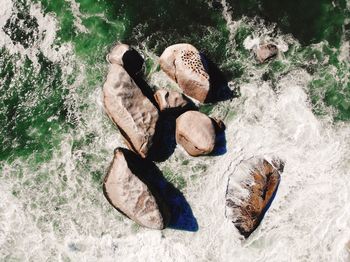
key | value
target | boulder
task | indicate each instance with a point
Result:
(195, 132)
(135, 116)
(250, 191)
(171, 100)
(127, 190)
(129, 58)
(266, 52)
(184, 64)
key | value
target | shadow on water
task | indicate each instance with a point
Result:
(220, 141)
(219, 89)
(181, 216)
(132, 63)
(164, 142)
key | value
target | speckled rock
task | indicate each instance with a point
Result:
(183, 63)
(249, 192)
(195, 132)
(135, 116)
(126, 190)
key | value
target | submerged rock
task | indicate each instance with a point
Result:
(126, 189)
(127, 57)
(171, 100)
(135, 116)
(249, 192)
(195, 132)
(183, 63)
(266, 52)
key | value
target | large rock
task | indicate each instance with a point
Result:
(126, 189)
(249, 192)
(171, 100)
(135, 116)
(266, 52)
(129, 58)
(195, 132)
(183, 64)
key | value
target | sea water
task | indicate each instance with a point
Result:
(57, 142)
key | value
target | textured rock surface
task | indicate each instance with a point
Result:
(250, 190)
(135, 116)
(127, 57)
(171, 100)
(126, 191)
(183, 64)
(195, 132)
(266, 52)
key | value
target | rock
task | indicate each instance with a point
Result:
(171, 100)
(266, 52)
(127, 57)
(249, 192)
(135, 116)
(183, 63)
(126, 189)
(195, 132)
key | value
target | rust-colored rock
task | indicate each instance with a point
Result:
(195, 132)
(183, 64)
(171, 100)
(135, 116)
(266, 52)
(249, 192)
(126, 189)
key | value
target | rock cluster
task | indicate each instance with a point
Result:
(127, 185)
(249, 191)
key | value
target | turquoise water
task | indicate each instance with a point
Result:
(56, 142)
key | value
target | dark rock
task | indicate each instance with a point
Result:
(250, 191)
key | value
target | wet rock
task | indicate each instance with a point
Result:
(195, 132)
(250, 191)
(171, 101)
(266, 52)
(126, 189)
(127, 57)
(135, 116)
(184, 64)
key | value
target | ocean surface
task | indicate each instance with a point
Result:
(56, 141)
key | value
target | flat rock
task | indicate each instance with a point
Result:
(126, 56)
(171, 100)
(266, 52)
(195, 132)
(127, 191)
(134, 114)
(249, 192)
(183, 63)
